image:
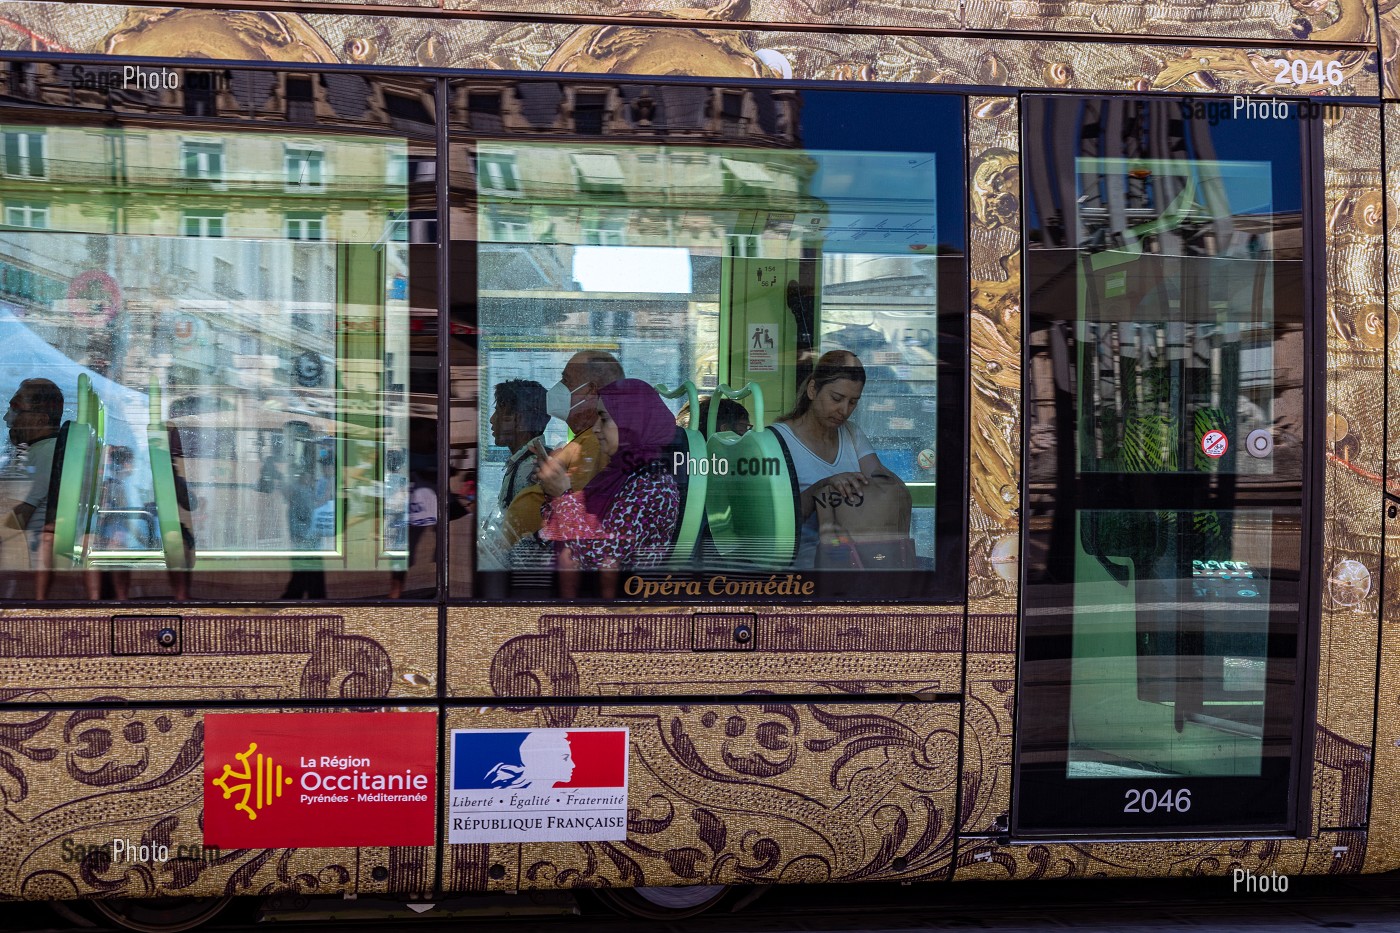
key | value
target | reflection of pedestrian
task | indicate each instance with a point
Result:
(124, 524)
(35, 413)
(395, 501)
(422, 495)
(302, 502)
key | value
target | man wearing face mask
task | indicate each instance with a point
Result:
(573, 400)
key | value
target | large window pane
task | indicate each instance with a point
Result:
(1164, 595)
(709, 271)
(226, 368)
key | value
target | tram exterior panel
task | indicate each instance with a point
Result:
(914, 782)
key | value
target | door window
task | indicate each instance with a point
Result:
(1164, 596)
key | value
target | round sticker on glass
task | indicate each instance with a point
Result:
(1214, 443)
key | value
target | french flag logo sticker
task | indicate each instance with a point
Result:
(538, 785)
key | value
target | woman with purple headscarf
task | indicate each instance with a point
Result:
(626, 516)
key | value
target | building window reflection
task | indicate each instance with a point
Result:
(24, 154)
(305, 168)
(202, 223)
(31, 214)
(304, 225)
(496, 174)
(204, 161)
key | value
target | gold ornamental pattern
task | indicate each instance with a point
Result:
(1315, 21)
(572, 651)
(1384, 818)
(994, 244)
(75, 780)
(689, 48)
(1328, 853)
(1351, 534)
(1388, 17)
(223, 654)
(748, 794)
(994, 517)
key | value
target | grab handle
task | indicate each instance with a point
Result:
(752, 389)
(687, 389)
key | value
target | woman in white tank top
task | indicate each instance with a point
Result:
(829, 451)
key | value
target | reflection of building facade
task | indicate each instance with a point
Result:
(652, 179)
(189, 226)
(259, 277)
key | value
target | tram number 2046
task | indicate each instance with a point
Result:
(1147, 800)
(1298, 71)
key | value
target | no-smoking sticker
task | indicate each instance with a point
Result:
(1214, 444)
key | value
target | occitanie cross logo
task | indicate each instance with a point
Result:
(260, 780)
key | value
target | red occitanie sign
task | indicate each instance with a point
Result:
(275, 780)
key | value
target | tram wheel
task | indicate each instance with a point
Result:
(672, 903)
(161, 914)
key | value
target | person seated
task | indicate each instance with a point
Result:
(626, 516)
(732, 417)
(837, 470)
(573, 400)
(517, 424)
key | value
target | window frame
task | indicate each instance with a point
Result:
(1277, 799)
(30, 209)
(950, 541)
(203, 210)
(203, 220)
(307, 155)
(24, 152)
(305, 219)
(203, 150)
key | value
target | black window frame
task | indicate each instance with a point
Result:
(46, 98)
(1277, 802)
(951, 537)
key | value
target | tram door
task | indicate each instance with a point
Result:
(1166, 423)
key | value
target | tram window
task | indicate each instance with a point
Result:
(620, 284)
(211, 382)
(1165, 525)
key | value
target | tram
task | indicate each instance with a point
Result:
(662, 451)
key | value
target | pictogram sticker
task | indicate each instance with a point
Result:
(1214, 443)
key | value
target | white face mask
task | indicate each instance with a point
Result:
(559, 400)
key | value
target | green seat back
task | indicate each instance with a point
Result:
(693, 508)
(752, 499)
(80, 480)
(170, 517)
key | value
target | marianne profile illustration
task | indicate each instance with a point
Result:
(546, 759)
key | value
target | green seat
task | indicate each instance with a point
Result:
(693, 486)
(172, 517)
(752, 499)
(79, 480)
